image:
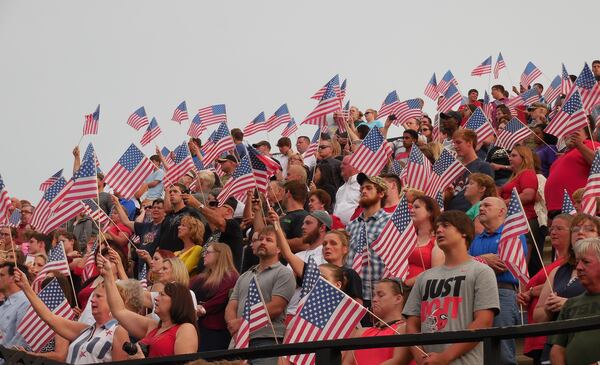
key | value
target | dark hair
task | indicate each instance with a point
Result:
(297, 189)
(595, 62)
(395, 178)
(323, 197)
(427, 117)
(182, 306)
(537, 84)
(158, 201)
(499, 88)
(68, 235)
(237, 134)
(327, 174)
(460, 221)
(413, 134)
(154, 158)
(473, 90)
(338, 274)
(44, 238)
(284, 141)
(304, 137)
(11, 268)
(362, 131)
(431, 206)
(182, 188)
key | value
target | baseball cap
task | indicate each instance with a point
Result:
(361, 178)
(452, 114)
(323, 217)
(262, 143)
(227, 158)
(232, 202)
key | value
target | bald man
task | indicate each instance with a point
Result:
(492, 214)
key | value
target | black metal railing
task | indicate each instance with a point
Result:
(329, 352)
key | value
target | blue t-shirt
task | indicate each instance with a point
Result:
(376, 123)
(488, 243)
(155, 192)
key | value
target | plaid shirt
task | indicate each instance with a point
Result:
(372, 272)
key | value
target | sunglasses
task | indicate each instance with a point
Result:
(322, 147)
(213, 203)
(424, 129)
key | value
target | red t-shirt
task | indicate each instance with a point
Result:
(419, 259)
(570, 171)
(526, 179)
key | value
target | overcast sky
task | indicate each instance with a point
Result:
(59, 59)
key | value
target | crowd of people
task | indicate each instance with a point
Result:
(170, 274)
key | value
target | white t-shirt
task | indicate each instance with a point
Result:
(346, 199)
(317, 255)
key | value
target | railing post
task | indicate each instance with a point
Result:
(329, 356)
(491, 351)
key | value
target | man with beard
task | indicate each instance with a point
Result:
(176, 209)
(371, 222)
(276, 285)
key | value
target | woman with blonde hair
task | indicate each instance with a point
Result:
(524, 179)
(191, 232)
(212, 288)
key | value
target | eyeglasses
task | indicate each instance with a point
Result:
(557, 229)
(323, 146)
(206, 253)
(213, 203)
(148, 207)
(26, 212)
(367, 113)
(578, 229)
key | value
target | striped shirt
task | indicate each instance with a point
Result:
(94, 345)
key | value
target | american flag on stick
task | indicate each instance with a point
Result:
(327, 314)
(313, 147)
(83, 185)
(241, 181)
(51, 180)
(180, 114)
(221, 142)
(514, 133)
(554, 90)
(61, 215)
(15, 218)
(290, 128)
(34, 330)
(397, 241)
(589, 89)
(90, 126)
(263, 167)
(213, 114)
(487, 106)
(342, 93)
(362, 251)
(139, 119)
(152, 132)
(530, 73)
(445, 171)
(484, 68)
(258, 124)
(334, 84)
(570, 118)
(89, 266)
(280, 117)
(328, 104)
(510, 248)
(389, 105)
(130, 171)
(57, 261)
(143, 276)
(566, 83)
(567, 205)
(526, 98)
(196, 127)
(5, 202)
(417, 173)
(592, 188)
(447, 80)
(254, 317)
(478, 123)
(183, 163)
(92, 210)
(168, 161)
(431, 90)
(373, 153)
(411, 108)
(500, 64)
(42, 210)
(311, 275)
(450, 98)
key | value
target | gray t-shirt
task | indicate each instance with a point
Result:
(275, 280)
(446, 298)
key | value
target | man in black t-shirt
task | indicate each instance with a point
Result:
(176, 209)
(293, 200)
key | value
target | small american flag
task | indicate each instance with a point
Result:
(263, 167)
(290, 128)
(152, 132)
(92, 209)
(89, 266)
(530, 73)
(484, 68)
(588, 88)
(439, 198)
(446, 81)
(143, 276)
(313, 147)
(431, 90)
(167, 156)
(51, 180)
(554, 90)
(487, 106)
(257, 124)
(445, 171)
(15, 218)
(515, 132)
(311, 275)
(128, 174)
(373, 153)
(592, 188)
(57, 261)
(33, 329)
(83, 185)
(61, 215)
(389, 104)
(396, 168)
(570, 118)
(180, 114)
(327, 314)
(566, 82)
(397, 241)
(213, 114)
(138, 119)
(342, 94)
(478, 123)
(42, 210)
(254, 317)
(450, 98)
(567, 204)
(510, 249)
(500, 64)
(407, 109)
(183, 163)
(417, 173)
(5, 202)
(241, 181)
(196, 127)
(91, 122)
(91, 153)
(222, 142)
(328, 104)
(526, 98)
(334, 83)
(280, 117)
(362, 251)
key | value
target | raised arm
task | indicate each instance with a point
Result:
(70, 330)
(211, 215)
(122, 213)
(295, 262)
(76, 159)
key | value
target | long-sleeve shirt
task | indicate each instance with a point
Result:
(11, 314)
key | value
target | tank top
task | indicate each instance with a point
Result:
(418, 257)
(377, 355)
(564, 285)
(94, 345)
(161, 344)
